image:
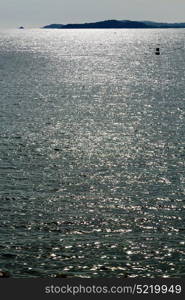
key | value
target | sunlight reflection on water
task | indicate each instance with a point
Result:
(92, 153)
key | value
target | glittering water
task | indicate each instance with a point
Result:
(92, 153)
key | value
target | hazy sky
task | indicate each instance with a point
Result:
(36, 13)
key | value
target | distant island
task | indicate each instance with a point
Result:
(116, 24)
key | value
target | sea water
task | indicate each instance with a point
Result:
(92, 153)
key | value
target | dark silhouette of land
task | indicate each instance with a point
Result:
(116, 24)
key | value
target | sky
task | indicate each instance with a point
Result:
(37, 13)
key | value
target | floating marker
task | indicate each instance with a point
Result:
(157, 51)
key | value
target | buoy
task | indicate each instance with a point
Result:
(157, 51)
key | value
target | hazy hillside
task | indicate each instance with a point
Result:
(116, 24)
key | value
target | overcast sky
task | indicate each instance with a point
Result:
(37, 13)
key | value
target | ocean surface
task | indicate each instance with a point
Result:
(92, 153)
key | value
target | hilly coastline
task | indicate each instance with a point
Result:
(116, 24)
